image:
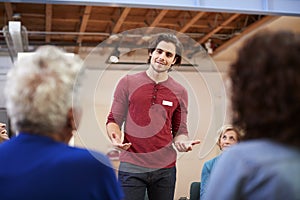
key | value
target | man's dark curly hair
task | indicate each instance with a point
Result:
(166, 37)
(265, 87)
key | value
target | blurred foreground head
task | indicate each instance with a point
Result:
(265, 87)
(42, 92)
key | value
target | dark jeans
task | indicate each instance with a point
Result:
(136, 180)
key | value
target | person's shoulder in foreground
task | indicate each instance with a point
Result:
(55, 170)
(42, 100)
(265, 99)
(258, 169)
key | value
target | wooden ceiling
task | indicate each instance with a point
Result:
(77, 27)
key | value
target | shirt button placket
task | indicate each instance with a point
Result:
(154, 94)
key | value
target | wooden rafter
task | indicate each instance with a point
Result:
(8, 10)
(154, 23)
(83, 24)
(48, 21)
(248, 30)
(121, 20)
(191, 22)
(218, 28)
(84, 21)
(158, 18)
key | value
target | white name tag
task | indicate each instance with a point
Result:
(167, 103)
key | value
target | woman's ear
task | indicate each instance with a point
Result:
(71, 120)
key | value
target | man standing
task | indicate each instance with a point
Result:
(153, 108)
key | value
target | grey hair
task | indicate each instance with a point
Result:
(40, 88)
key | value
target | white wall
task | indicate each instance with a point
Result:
(5, 64)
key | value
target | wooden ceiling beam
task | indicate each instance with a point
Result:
(71, 38)
(48, 21)
(158, 18)
(8, 10)
(248, 30)
(62, 20)
(218, 28)
(33, 15)
(83, 25)
(85, 18)
(121, 20)
(191, 22)
(154, 23)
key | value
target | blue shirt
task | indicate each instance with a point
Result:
(256, 169)
(206, 171)
(36, 167)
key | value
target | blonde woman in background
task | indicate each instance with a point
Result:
(228, 135)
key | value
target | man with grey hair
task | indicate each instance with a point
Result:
(38, 163)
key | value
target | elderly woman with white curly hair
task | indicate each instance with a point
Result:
(42, 97)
